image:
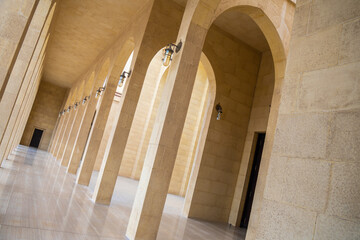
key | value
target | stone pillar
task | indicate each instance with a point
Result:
(142, 57)
(72, 116)
(31, 77)
(73, 134)
(27, 81)
(85, 126)
(97, 132)
(59, 127)
(57, 134)
(160, 158)
(22, 63)
(312, 186)
(26, 108)
(15, 17)
(66, 117)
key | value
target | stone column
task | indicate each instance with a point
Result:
(17, 114)
(96, 134)
(15, 17)
(142, 57)
(66, 117)
(160, 158)
(36, 58)
(22, 63)
(59, 127)
(85, 126)
(72, 116)
(57, 134)
(26, 108)
(73, 135)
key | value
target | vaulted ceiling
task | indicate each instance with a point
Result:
(85, 28)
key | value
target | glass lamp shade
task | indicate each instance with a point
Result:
(121, 80)
(168, 56)
(98, 93)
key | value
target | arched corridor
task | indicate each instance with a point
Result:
(179, 119)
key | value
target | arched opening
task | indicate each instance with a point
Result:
(114, 110)
(248, 58)
(99, 81)
(192, 138)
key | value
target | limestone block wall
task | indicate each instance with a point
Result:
(190, 135)
(44, 113)
(138, 164)
(313, 183)
(155, 76)
(258, 123)
(236, 67)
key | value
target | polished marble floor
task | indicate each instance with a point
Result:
(39, 200)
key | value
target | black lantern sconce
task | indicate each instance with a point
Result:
(123, 76)
(68, 109)
(169, 51)
(85, 99)
(219, 111)
(99, 91)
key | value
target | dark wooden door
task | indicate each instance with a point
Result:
(36, 138)
(252, 181)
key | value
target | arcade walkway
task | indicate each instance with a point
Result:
(38, 200)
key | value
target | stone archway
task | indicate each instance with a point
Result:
(278, 39)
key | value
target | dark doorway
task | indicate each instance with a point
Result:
(35, 140)
(252, 181)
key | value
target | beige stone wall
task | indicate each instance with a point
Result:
(236, 68)
(190, 135)
(138, 140)
(313, 184)
(137, 167)
(258, 123)
(44, 113)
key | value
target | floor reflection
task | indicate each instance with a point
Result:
(39, 200)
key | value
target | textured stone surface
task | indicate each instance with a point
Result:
(345, 191)
(301, 182)
(301, 135)
(49, 97)
(283, 222)
(333, 228)
(330, 89)
(344, 140)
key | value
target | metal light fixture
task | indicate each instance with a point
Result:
(219, 111)
(85, 99)
(169, 51)
(76, 104)
(68, 109)
(99, 91)
(122, 77)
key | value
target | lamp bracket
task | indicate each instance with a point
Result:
(177, 47)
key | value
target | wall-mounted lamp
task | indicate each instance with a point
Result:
(99, 91)
(68, 109)
(76, 104)
(61, 113)
(219, 111)
(123, 76)
(85, 99)
(169, 51)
